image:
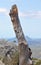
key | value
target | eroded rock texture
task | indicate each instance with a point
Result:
(24, 50)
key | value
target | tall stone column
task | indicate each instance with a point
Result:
(24, 52)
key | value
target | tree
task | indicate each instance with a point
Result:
(24, 50)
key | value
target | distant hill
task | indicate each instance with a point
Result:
(28, 39)
(34, 44)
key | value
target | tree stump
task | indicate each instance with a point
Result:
(24, 50)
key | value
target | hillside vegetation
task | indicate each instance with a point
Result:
(36, 61)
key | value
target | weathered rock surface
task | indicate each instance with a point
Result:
(1, 63)
(8, 52)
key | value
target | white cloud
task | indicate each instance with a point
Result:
(31, 14)
(4, 11)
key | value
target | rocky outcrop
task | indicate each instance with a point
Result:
(8, 52)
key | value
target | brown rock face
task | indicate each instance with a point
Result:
(24, 50)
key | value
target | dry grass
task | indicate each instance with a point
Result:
(13, 61)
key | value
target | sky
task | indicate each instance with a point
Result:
(29, 12)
